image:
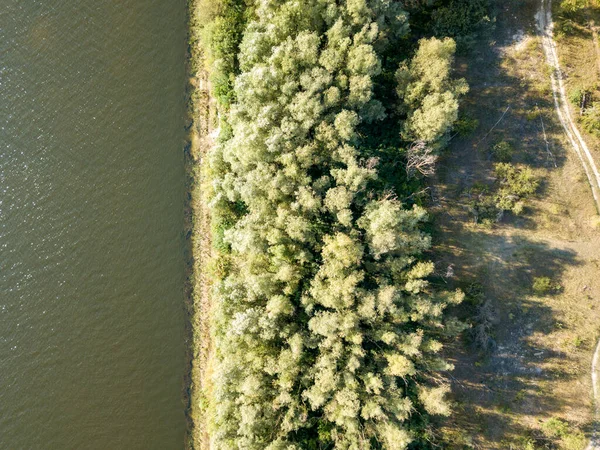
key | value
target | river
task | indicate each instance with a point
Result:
(91, 206)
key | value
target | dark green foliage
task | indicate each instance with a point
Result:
(226, 35)
(465, 125)
(459, 17)
(502, 151)
(223, 31)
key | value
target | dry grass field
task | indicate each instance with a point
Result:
(532, 387)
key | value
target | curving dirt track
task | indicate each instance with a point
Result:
(545, 28)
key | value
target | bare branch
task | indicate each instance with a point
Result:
(420, 158)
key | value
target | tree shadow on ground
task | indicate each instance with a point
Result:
(515, 109)
(511, 99)
(492, 386)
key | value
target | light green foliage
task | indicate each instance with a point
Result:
(428, 92)
(433, 400)
(561, 431)
(544, 285)
(326, 328)
(513, 186)
(516, 184)
(576, 5)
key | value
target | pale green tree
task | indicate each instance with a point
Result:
(428, 92)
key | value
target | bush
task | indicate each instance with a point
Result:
(543, 285)
(591, 120)
(465, 125)
(502, 151)
(223, 34)
(533, 114)
(459, 19)
(515, 185)
(485, 210)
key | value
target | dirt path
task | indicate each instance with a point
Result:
(545, 28)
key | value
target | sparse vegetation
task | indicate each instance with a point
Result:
(483, 319)
(533, 355)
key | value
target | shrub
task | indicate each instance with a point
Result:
(515, 184)
(224, 27)
(465, 125)
(591, 120)
(533, 114)
(459, 19)
(502, 151)
(485, 211)
(543, 285)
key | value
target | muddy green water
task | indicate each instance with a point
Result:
(91, 200)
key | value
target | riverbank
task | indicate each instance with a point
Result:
(200, 117)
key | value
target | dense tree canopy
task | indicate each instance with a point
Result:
(430, 95)
(327, 331)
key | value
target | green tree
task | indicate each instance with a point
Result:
(428, 92)
(326, 329)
